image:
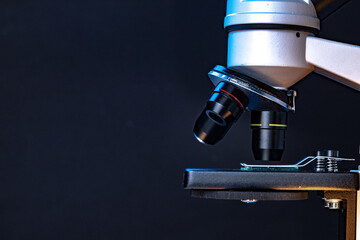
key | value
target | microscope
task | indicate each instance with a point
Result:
(271, 46)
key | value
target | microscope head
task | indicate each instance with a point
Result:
(266, 56)
(271, 46)
(267, 39)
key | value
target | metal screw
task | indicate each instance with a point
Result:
(326, 161)
(334, 204)
(320, 163)
(332, 165)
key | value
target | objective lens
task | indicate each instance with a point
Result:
(224, 107)
(268, 134)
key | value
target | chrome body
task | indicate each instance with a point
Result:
(272, 41)
(288, 12)
(275, 57)
(338, 61)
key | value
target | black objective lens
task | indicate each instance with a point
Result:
(268, 134)
(224, 107)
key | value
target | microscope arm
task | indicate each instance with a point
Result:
(338, 61)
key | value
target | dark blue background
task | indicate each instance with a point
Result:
(98, 100)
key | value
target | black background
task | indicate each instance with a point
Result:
(98, 101)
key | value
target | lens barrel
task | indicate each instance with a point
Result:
(225, 106)
(268, 134)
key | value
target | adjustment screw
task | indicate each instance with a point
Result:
(320, 162)
(333, 204)
(331, 164)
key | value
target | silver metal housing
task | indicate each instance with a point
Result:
(335, 60)
(273, 56)
(289, 12)
(272, 42)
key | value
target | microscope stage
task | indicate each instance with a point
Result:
(239, 180)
